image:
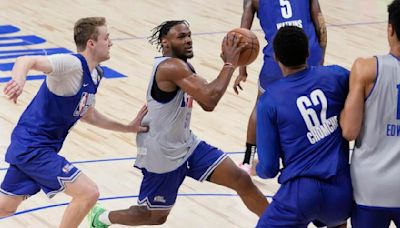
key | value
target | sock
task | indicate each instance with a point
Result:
(249, 154)
(103, 217)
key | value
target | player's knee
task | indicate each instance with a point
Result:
(94, 195)
(90, 195)
(243, 182)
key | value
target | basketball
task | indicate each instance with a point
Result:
(250, 52)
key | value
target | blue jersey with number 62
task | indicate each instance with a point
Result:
(298, 122)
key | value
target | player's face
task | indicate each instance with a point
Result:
(102, 45)
(180, 39)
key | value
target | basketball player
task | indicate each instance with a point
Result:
(170, 151)
(273, 15)
(372, 117)
(66, 95)
(297, 121)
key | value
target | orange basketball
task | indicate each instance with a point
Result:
(250, 51)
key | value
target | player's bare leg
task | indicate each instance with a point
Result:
(84, 195)
(251, 142)
(231, 176)
(9, 204)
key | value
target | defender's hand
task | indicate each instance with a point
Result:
(13, 89)
(135, 126)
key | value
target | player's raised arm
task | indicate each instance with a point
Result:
(249, 10)
(22, 66)
(206, 94)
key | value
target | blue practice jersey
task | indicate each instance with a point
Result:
(298, 121)
(47, 120)
(274, 14)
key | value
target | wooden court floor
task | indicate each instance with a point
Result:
(355, 28)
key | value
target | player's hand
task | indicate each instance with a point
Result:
(240, 78)
(135, 126)
(231, 48)
(13, 89)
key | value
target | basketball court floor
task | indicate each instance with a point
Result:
(355, 28)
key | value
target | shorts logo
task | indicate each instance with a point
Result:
(159, 199)
(67, 168)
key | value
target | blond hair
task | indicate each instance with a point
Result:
(86, 29)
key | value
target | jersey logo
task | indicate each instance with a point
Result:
(318, 127)
(187, 101)
(87, 100)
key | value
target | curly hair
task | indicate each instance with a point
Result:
(162, 30)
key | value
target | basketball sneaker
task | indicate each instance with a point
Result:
(93, 217)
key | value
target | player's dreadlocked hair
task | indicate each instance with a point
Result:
(160, 31)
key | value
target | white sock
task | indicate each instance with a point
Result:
(103, 217)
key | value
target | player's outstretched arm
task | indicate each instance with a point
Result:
(249, 9)
(362, 78)
(97, 119)
(15, 86)
(320, 26)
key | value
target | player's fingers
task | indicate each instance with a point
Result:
(235, 89)
(236, 40)
(143, 110)
(242, 45)
(225, 41)
(143, 129)
(13, 98)
(11, 84)
(232, 38)
(11, 91)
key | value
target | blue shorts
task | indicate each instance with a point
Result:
(270, 72)
(47, 171)
(159, 191)
(304, 200)
(373, 217)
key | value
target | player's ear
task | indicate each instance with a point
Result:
(164, 43)
(390, 30)
(90, 43)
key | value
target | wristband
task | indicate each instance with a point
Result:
(228, 64)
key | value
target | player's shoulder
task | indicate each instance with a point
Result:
(365, 69)
(365, 64)
(64, 57)
(172, 64)
(268, 97)
(173, 68)
(336, 69)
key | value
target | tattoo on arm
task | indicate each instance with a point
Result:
(323, 36)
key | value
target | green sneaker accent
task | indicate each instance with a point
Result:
(93, 217)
